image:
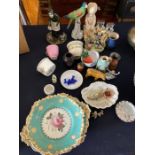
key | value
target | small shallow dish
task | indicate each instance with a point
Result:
(75, 48)
(49, 89)
(56, 124)
(100, 95)
(68, 76)
(125, 111)
(95, 56)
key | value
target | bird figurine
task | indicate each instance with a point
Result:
(79, 13)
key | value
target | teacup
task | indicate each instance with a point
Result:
(103, 63)
(52, 51)
(46, 66)
(75, 48)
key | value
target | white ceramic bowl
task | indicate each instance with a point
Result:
(75, 48)
(95, 56)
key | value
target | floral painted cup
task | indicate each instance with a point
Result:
(52, 51)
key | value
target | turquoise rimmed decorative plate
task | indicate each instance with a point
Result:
(56, 124)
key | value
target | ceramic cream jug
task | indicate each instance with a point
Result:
(103, 63)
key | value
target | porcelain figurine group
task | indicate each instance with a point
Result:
(96, 37)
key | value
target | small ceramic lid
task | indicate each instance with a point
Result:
(125, 111)
(49, 89)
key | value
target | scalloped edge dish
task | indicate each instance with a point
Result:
(26, 136)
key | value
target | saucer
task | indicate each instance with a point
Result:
(49, 89)
(125, 111)
(71, 79)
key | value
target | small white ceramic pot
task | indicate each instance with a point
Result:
(46, 67)
(75, 48)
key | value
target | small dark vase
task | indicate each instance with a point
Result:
(115, 60)
(69, 59)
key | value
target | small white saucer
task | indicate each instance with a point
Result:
(49, 89)
(125, 111)
(68, 75)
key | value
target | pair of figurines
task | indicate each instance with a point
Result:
(90, 19)
(55, 34)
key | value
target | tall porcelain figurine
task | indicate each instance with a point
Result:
(90, 19)
(93, 33)
(76, 15)
(55, 34)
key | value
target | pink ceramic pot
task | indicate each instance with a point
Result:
(52, 51)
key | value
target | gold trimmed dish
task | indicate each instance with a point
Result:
(56, 124)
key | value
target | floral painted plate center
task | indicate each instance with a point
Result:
(56, 123)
